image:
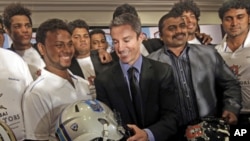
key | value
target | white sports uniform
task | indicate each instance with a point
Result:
(33, 59)
(45, 99)
(239, 62)
(14, 79)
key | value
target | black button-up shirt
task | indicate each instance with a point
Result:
(187, 100)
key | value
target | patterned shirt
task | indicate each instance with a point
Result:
(188, 109)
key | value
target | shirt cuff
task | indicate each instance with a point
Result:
(150, 135)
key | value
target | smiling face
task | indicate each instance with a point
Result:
(191, 22)
(174, 32)
(126, 43)
(235, 22)
(20, 32)
(58, 50)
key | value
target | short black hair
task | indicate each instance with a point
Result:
(237, 4)
(13, 10)
(171, 14)
(125, 8)
(96, 31)
(50, 25)
(187, 5)
(78, 23)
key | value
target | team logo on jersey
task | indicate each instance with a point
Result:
(2, 107)
(235, 69)
(74, 126)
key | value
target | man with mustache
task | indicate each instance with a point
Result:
(198, 71)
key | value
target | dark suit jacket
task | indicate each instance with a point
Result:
(98, 66)
(152, 44)
(158, 96)
(209, 73)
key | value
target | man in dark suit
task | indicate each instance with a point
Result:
(156, 97)
(85, 63)
(199, 70)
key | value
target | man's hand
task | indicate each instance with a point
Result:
(104, 56)
(230, 117)
(139, 134)
(91, 80)
(205, 38)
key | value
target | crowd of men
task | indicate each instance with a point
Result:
(159, 87)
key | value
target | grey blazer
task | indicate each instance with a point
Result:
(209, 73)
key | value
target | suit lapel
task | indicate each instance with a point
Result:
(94, 59)
(75, 68)
(145, 80)
(122, 87)
(195, 66)
(163, 57)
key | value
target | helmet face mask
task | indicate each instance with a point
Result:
(6, 134)
(88, 120)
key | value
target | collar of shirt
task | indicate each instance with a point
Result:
(137, 65)
(59, 80)
(169, 52)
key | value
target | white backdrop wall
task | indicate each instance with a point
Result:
(99, 12)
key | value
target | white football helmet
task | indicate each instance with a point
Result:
(88, 120)
(6, 134)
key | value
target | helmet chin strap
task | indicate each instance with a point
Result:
(105, 132)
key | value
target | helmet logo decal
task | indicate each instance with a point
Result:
(74, 126)
(95, 106)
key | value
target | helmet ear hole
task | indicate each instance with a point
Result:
(103, 121)
(97, 139)
(77, 108)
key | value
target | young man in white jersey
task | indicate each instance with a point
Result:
(14, 79)
(235, 50)
(18, 25)
(56, 87)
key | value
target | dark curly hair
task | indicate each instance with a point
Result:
(50, 25)
(78, 23)
(188, 5)
(237, 4)
(13, 10)
(125, 8)
(96, 31)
